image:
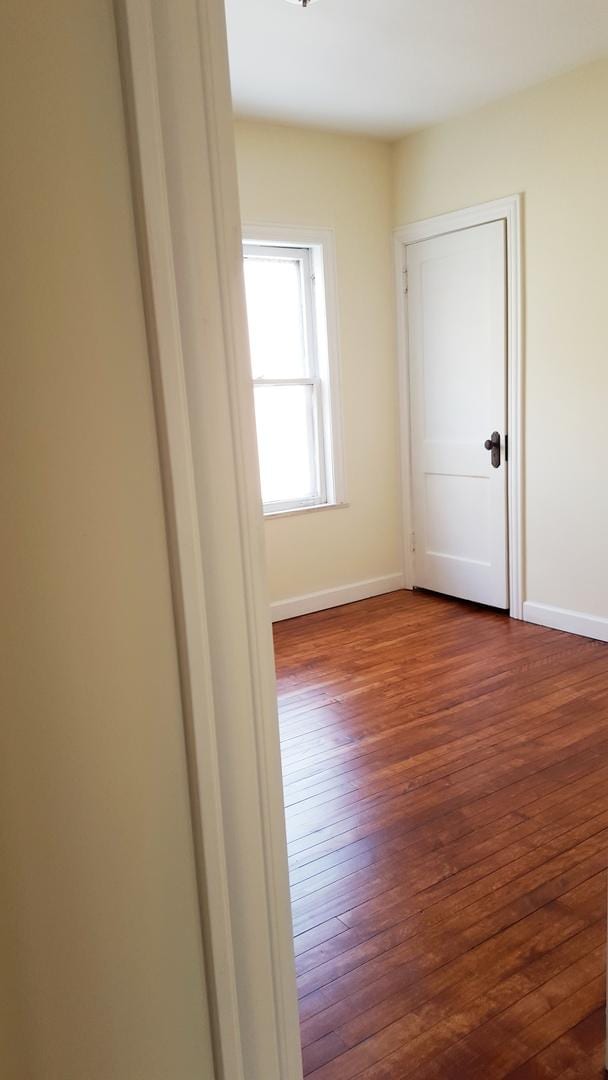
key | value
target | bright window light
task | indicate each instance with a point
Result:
(290, 376)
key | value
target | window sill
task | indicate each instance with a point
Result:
(306, 510)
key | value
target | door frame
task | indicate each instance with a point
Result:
(180, 135)
(509, 210)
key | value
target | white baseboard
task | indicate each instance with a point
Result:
(572, 622)
(329, 598)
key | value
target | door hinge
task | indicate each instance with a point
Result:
(412, 541)
(405, 281)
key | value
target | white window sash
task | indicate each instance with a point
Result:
(321, 417)
(315, 420)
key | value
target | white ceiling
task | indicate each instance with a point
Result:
(386, 67)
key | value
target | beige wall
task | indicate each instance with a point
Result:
(551, 143)
(294, 176)
(101, 973)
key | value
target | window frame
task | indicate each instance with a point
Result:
(302, 256)
(315, 249)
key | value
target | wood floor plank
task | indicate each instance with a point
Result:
(448, 1004)
(446, 792)
(446, 1020)
(427, 947)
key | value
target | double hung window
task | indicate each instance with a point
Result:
(291, 375)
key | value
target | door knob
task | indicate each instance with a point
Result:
(493, 444)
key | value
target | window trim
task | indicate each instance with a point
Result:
(323, 343)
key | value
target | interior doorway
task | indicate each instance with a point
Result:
(197, 330)
(456, 300)
(459, 322)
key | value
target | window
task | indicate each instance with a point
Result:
(292, 376)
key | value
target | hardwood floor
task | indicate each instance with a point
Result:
(446, 786)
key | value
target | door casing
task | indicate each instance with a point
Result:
(508, 209)
(180, 134)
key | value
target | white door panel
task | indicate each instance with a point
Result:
(457, 347)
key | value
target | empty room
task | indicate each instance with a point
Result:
(424, 230)
(304, 655)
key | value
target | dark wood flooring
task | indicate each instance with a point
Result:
(446, 786)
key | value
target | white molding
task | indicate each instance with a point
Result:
(181, 141)
(277, 232)
(404, 405)
(454, 220)
(571, 622)
(330, 598)
(508, 209)
(139, 75)
(276, 514)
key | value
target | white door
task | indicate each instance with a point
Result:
(458, 387)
